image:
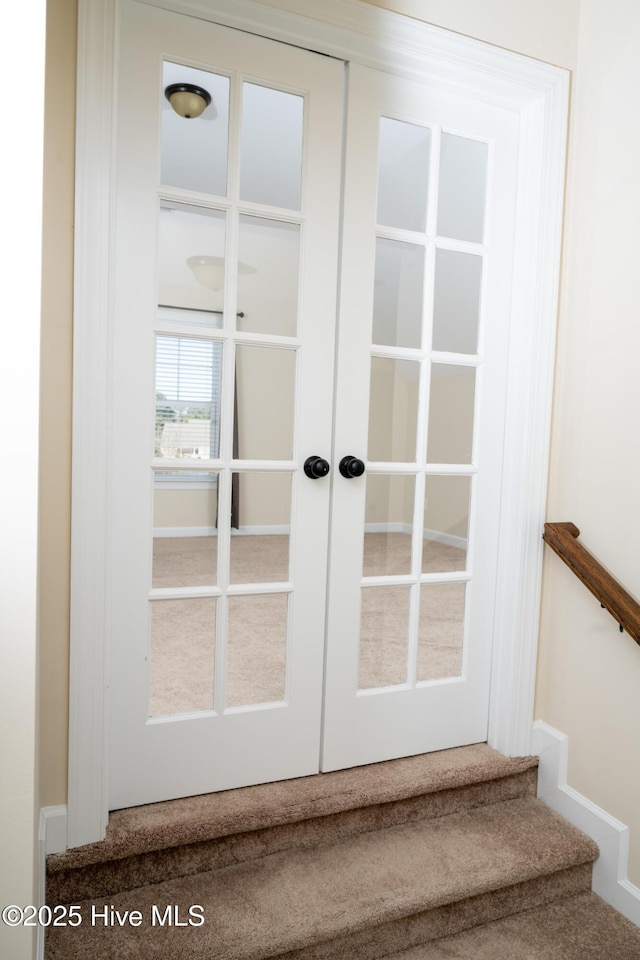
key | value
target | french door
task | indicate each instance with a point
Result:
(302, 565)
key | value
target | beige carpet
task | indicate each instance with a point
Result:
(183, 631)
(448, 855)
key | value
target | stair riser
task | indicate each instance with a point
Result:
(112, 877)
(388, 939)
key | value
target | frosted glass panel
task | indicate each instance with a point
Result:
(456, 306)
(181, 655)
(260, 552)
(265, 379)
(269, 260)
(187, 423)
(446, 524)
(393, 409)
(384, 635)
(463, 188)
(388, 525)
(397, 301)
(403, 174)
(185, 518)
(451, 408)
(271, 146)
(441, 630)
(191, 252)
(194, 151)
(256, 651)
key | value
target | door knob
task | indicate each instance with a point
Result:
(316, 467)
(351, 467)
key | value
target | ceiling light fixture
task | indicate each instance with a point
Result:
(188, 100)
(209, 271)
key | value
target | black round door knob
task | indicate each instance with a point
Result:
(351, 467)
(316, 467)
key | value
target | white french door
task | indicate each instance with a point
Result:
(421, 392)
(231, 663)
(227, 238)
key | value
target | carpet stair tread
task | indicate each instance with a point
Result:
(582, 927)
(290, 901)
(173, 823)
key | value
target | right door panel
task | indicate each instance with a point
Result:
(421, 383)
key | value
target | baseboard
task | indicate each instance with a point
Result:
(185, 531)
(399, 526)
(52, 838)
(610, 869)
(267, 529)
(283, 529)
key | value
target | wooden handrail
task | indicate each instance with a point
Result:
(563, 539)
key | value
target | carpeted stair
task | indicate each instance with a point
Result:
(447, 855)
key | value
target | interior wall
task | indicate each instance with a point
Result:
(538, 28)
(589, 673)
(55, 414)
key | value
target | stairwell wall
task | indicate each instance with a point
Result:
(589, 673)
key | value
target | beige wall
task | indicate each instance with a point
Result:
(589, 674)
(55, 424)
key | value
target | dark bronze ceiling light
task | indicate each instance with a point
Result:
(188, 100)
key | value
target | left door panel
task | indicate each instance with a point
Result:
(223, 334)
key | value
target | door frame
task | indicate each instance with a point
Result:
(348, 29)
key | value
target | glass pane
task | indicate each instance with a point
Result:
(388, 525)
(451, 405)
(456, 301)
(265, 384)
(257, 645)
(185, 520)
(262, 515)
(188, 373)
(269, 255)
(194, 151)
(441, 630)
(384, 636)
(393, 409)
(463, 188)
(446, 524)
(181, 655)
(191, 250)
(271, 146)
(403, 174)
(397, 299)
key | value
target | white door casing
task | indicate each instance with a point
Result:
(538, 94)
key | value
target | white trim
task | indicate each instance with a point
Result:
(273, 529)
(399, 526)
(610, 869)
(161, 532)
(536, 279)
(447, 538)
(351, 30)
(52, 838)
(88, 669)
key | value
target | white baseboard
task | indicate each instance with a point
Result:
(610, 869)
(283, 529)
(52, 838)
(185, 531)
(399, 526)
(250, 531)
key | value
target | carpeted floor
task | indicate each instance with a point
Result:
(446, 855)
(183, 631)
